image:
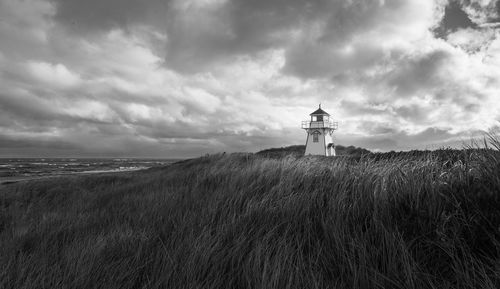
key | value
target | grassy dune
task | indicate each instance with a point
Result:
(414, 220)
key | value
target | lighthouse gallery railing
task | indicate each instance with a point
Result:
(319, 124)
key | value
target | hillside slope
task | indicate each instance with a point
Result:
(299, 150)
(249, 221)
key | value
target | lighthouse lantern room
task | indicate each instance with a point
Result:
(319, 133)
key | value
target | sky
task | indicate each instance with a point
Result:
(183, 78)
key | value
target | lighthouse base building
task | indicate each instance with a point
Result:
(319, 134)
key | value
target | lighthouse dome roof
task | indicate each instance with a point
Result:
(319, 111)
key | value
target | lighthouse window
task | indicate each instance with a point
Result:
(315, 137)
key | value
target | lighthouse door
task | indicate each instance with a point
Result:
(331, 150)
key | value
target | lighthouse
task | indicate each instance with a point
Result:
(319, 133)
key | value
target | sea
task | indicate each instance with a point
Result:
(17, 169)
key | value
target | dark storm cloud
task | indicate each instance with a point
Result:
(367, 108)
(102, 15)
(203, 32)
(482, 12)
(306, 29)
(376, 128)
(201, 35)
(39, 109)
(30, 143)
(415, 74)
(316, 60)
(317, 35)
(27, 106)
(352, 37)
(454, 18)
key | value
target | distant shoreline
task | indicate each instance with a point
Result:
(17, 179)
(16, 170)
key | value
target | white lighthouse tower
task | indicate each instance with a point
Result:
(319, 133)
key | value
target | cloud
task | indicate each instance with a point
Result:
(56, 75)
(454, 18)
(482, 11)
(360, 36)
(318, 36)
(418, 72)
(185, 78)
(429, 139)
(102, 16)
(200, 35)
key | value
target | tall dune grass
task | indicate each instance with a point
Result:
(428, 220)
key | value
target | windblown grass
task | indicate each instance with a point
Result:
(428, 220)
